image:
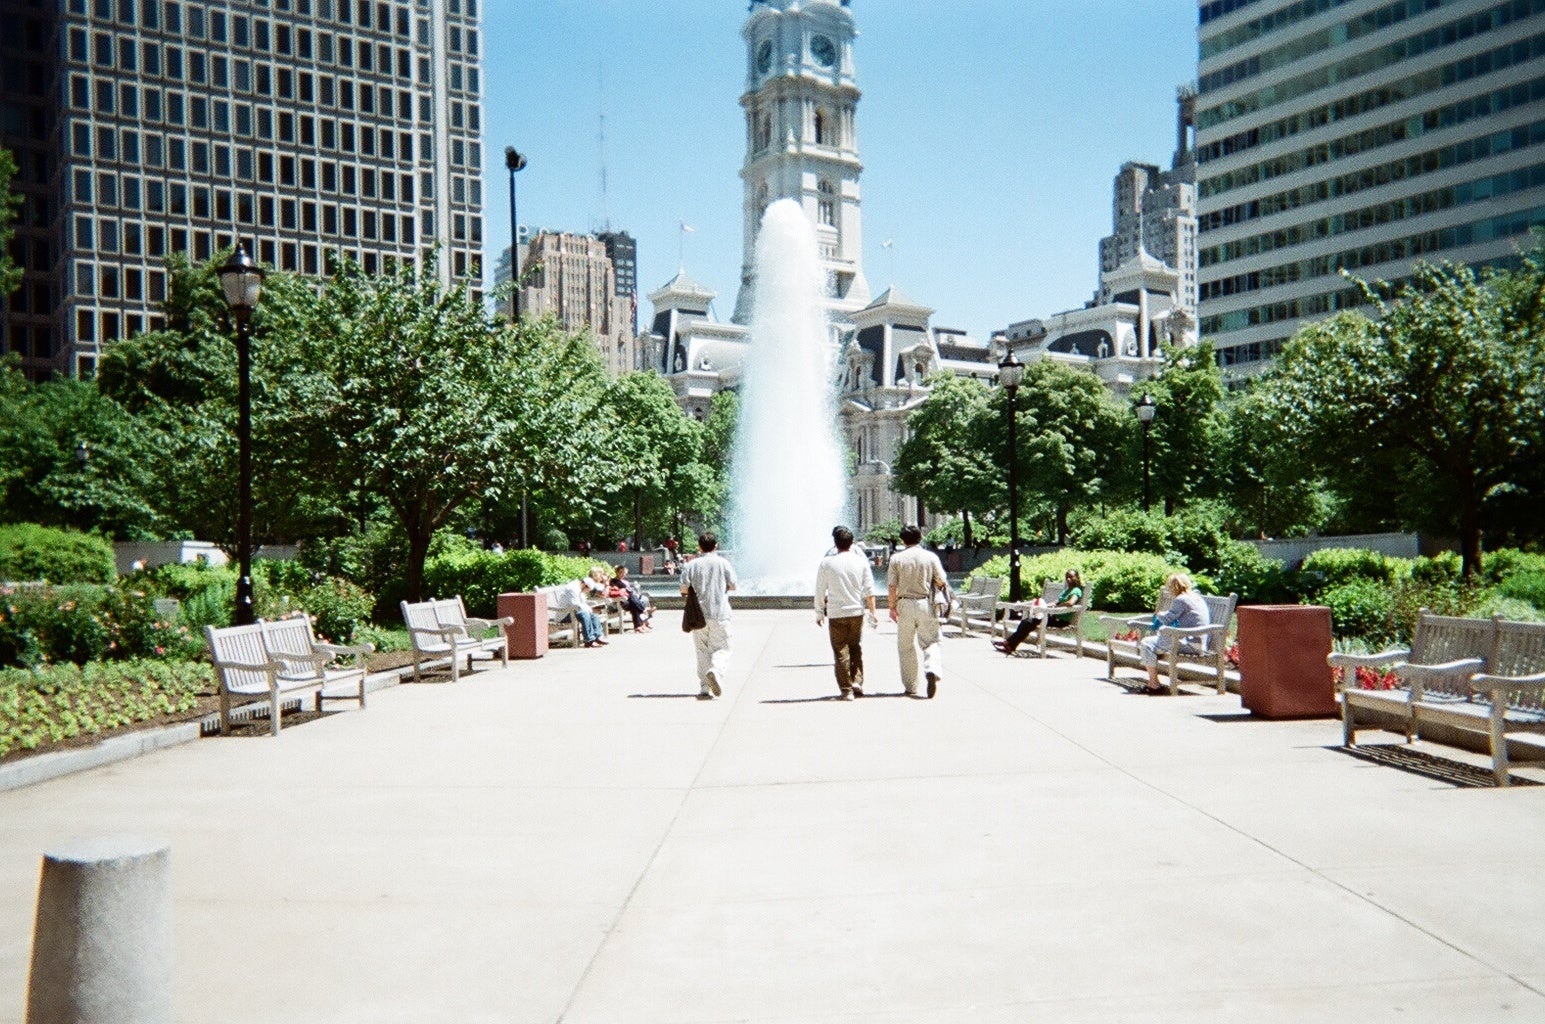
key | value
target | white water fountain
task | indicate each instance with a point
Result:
(788, 487)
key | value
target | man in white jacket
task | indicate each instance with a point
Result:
(844, 588)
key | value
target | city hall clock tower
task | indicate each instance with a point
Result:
(801, 137)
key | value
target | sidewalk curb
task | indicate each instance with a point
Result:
(32, 770)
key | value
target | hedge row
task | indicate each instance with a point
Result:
(42, 553)
(49, 705)
(481, 576)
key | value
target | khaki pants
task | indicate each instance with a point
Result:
(917, 626)
(712, 643)
(846, 636)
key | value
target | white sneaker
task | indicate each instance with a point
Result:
(713, 684)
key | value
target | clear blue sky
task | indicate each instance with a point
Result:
(990, 131)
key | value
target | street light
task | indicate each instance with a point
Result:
(242, 281)
(515, 162)
(82, 454)
(1010, 372)
(1145, 410)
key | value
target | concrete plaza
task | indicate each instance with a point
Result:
(577, 839)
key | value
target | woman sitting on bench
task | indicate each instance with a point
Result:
(1072, 593)
(1187, 610)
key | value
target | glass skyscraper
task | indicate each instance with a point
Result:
(301, 128)
(1357, 134)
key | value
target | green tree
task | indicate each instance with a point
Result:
(10, 273)
(953, 455)
(71, 457)
(1072, 439)
(1271, 489)
(658, 448)
(717, 451)
(424, 400)
(1439, 402)
(179, 385)
(1184, 434)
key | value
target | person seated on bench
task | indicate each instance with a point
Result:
(1186, 610)
(1072, 593)
(632, 598)
(571, 596)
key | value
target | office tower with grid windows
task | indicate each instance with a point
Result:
(1357, 134)
(300, 128)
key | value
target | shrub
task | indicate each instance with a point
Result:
(1243, 570)
(84, 622)
(53, 704)
(481, 576)
(1361, 608)
(1332, 567)
(1123, 529)
(1508, 607)
(1121, 580)
(337, 608)
(1524, 586)
(30, 552)
(1440, 570)
(1198, 536)
(1502, 563)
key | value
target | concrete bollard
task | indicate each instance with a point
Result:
(102, 942)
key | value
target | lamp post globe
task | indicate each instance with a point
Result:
(1146, 407)
(241, 279)
(1010, 373)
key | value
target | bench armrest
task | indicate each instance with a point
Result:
(1501, 684)
(473, 622)
(439, 631)
(1356, 661)
(1218, 629)
(249, 666)
(341, 650)
(1423, 673)
(1142, 622)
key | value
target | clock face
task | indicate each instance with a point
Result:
(824, 51)
(764, 56)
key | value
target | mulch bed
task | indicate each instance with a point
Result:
(205, 704)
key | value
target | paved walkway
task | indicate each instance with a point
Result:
(578, 840)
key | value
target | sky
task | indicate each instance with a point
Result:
(990, 132)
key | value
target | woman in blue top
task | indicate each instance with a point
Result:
(1187, 610)
(1072, 593)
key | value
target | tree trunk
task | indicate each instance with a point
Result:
(1470, 537)
(418, 552)
(638, 520)
(965, 535)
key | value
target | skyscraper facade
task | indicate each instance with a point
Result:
(1360, 135)
(574, 278)
(300, 128)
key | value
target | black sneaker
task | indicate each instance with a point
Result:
(933, 684)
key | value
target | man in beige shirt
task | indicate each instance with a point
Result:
(910, 581)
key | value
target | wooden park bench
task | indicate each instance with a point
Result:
(274, 660)
(1445, 652)
(1483, 676)
(1203, 646)
(442, 631)
(977, 605)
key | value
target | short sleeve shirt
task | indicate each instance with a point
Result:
(711, 575)
(914, 573)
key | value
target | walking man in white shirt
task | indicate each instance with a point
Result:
(713, 577)
(910, 581)
(844, 588)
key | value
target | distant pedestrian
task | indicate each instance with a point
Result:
(712, 576)
(844, 589)
(911, 579)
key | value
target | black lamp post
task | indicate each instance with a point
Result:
(1145, 410)
(242, 281)
(515, 162)
(1010, 372)
(82, 454)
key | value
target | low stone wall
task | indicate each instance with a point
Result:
(1293, 552)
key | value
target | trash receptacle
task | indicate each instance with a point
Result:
(527, 635)
(1282, 668)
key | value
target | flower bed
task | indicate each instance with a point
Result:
(42, 707)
